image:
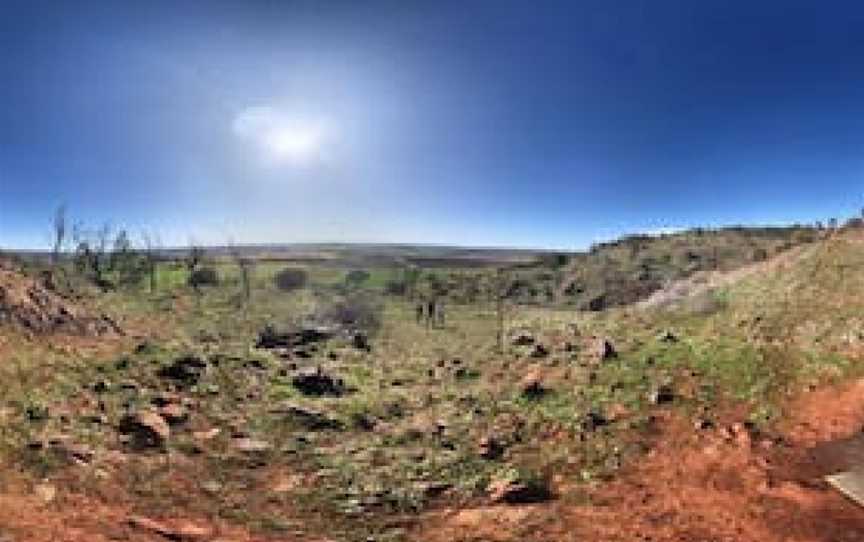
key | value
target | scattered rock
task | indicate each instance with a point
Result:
(165, 398)
(36, 305)
(144, 347)
(178, 530)
(617, 412)
(286, 484)
(364, 421)
(129, 385)
(532, 386)
(360, 341)
(96, 418)
(185, 371)
(662, 394)
(515, 491)
(523, 339)
(740, 433)
(63, 447)
(593, 420)
(101, 386)
(316, 382)
(174, 413)
(603, 350)
(206, 435)
(308, 418)
(539, 351)
(702, 424)
(248, 445)
(667, 337)
(212, 486)
(432, 489)
(37, 413)
(255, 364)
(45, 492)
(490, 448)
(147, 430)
(270, 338)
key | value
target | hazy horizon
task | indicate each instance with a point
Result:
(487, 124)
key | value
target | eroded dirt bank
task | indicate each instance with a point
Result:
(722, 484)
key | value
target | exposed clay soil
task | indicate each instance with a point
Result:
(36, 306)
(725, 484)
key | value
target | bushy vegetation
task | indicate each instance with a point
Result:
(355, 311)
(204, 276)
(356, 277)
(312, 431)
(624, 271)
(291, 278)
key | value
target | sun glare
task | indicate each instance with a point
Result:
(279, 136)
(293, 143)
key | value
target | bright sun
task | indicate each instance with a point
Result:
(280, 136)
(293, 143)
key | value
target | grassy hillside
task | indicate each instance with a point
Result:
(426, 417)
(629, 269)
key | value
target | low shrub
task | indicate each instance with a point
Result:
(204, 276)
(360, 312)
(291, 278)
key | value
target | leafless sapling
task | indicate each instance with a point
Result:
(246, 266)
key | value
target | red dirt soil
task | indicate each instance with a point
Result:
(701, 486)
(714, 485)
(37, 306)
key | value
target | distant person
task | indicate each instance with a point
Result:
(439, 314)
(430, 312)
(419, 312)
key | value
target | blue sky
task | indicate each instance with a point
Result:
(541, 124)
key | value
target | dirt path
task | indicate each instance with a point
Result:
(700, 486)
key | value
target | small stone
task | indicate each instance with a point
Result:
(211, 486)
(178, 530)
(317, 382)
(662, 394)
(740, 433)
(490, 448)
(593, 420)
(165, 398)
(523, 339)
(539, 351)
(667, 337)
(308, 418)
(147, 430)
(702, 424)
(617, 412)
(45, 492)
(360, 341)
(532, 385)
(184, 371)
(174, 414)
(517, 492)
(101, 386)
(208, 434)
(250, 446)
(603, 349)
